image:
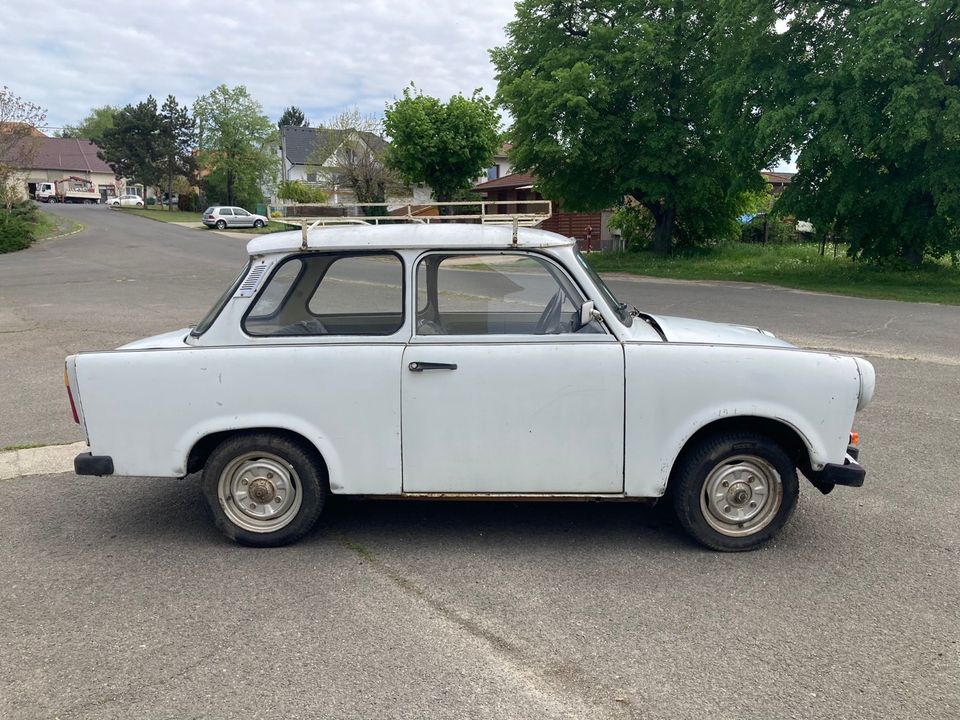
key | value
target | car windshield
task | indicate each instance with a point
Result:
(623, 313)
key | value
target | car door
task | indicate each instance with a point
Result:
(242, 218)
(501, 391)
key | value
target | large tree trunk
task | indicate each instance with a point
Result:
(444, 197)
(913, 252)
(169, 188)
(664, 218)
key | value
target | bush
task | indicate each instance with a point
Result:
(16, 233)
(777, 231)
(188, 202)
(300, 192)
(635, 224)
(26, 211)
(151, 201)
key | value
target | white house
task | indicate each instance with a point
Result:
(317, 156)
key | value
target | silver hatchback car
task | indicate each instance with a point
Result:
(221, 217)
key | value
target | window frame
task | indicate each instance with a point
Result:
(213, 314)
(606, 336)
(340, 254)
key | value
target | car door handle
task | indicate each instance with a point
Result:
(421, 366)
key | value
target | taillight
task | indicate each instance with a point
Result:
(73, 406)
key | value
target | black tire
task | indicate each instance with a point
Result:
(221, 224)
(258, 224)
(718, 482)
(247, 475)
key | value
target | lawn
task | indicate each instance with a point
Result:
(794, 266)
(49, 225)
(156, 213)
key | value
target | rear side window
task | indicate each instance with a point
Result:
(331, 294)
(217, 308)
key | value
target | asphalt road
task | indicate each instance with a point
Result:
(122, 601)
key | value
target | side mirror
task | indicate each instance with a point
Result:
(588, 313)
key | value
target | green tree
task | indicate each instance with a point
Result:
(237, 145)
(175, 147)
(869, 93)
(93, 126)
(293, 116)
(132, 146)
(445, 146)
(612, 99)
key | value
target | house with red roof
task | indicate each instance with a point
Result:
(591, 229)
(53, 159)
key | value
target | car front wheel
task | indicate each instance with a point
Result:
(264, 489)
(734, 491)
(258, 223)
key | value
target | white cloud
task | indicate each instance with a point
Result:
(321, 56)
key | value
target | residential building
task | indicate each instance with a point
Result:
(590, 229)
(318, 156)
(59, 158)
(500, 167)
(777, 180)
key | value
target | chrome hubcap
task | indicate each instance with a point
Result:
(259, 492)
(741, 496)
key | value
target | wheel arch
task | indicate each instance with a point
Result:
(204, 446)
(788, 437)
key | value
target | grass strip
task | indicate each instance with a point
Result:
(793, 266)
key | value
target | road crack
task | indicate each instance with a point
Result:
(552, 683)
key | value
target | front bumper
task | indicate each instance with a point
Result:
(89, 464)
(850, 473)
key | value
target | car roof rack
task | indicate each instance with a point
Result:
(314, 216)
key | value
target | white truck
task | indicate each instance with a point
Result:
(68, 190)
(465, 361)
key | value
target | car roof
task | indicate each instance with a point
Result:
(407, 235)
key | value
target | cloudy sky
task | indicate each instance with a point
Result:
(321, 56)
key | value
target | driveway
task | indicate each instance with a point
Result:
(122, 601)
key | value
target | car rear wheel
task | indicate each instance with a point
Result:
(221, 224)
(264, 489)
(258, 223)
(734, 491)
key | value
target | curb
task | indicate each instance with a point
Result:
(63, 235)
(47, 460)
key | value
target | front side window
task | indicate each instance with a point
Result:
(495, 294)
(330, 294)
(241, 212)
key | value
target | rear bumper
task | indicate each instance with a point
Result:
(850, 473)
(88, 464)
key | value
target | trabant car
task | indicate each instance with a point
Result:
(459, 360)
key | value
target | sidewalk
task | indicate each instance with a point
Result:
(48, 460)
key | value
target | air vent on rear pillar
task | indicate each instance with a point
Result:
(252, 281)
